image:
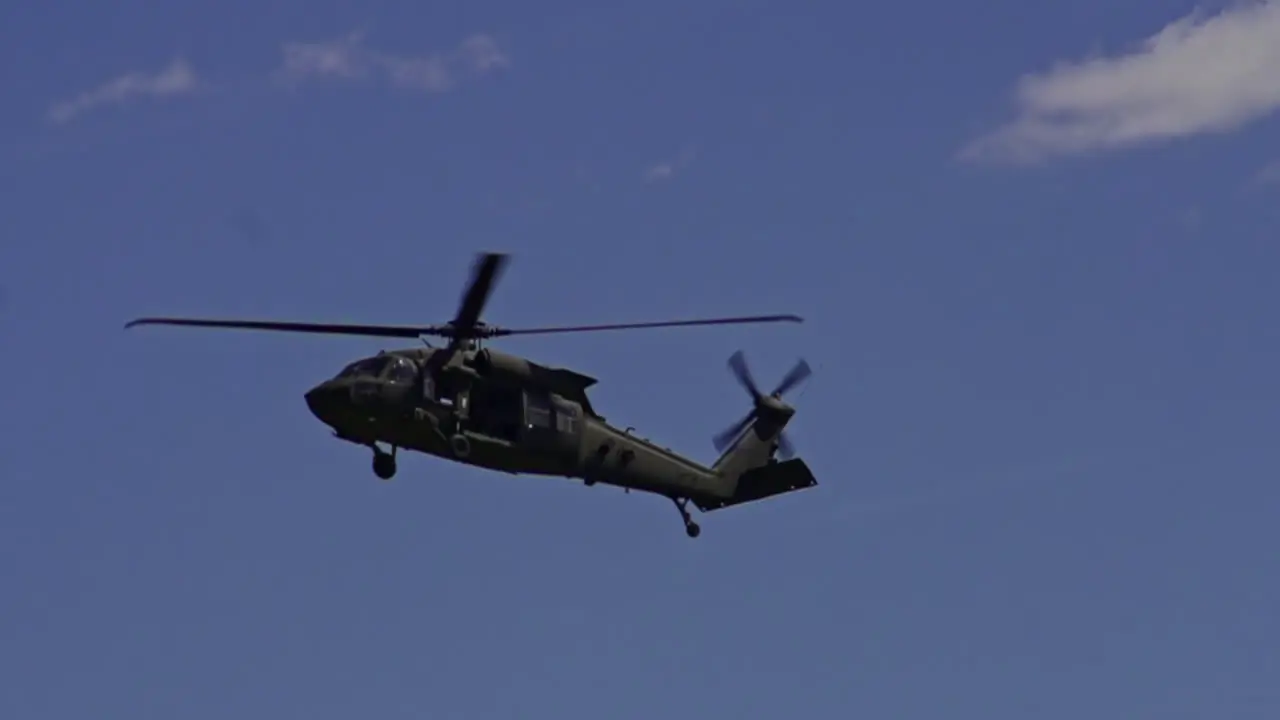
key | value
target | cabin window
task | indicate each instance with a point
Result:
(566, 420)
(537, 412)
(539, 417)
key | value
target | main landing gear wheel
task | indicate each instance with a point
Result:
(690, 527)
(384, 464)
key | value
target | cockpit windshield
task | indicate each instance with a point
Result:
(369, 367)
(402, 371)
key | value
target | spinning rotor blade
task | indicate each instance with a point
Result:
(485, 273)
(798, 374)
(501, 332)
(466, 323)
(731, 433)
(463, 327)
(722, 441)
(738, 365)
(399, 331)
(786, 450)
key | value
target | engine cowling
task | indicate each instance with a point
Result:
(494, 364)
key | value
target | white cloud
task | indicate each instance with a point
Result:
(176, 79)
(661, 171)
(349, 58)
(425, 73)
(668, 168)
(341, 58)
(1200, 74)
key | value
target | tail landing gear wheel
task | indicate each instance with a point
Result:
(384, 464)
(690, 527)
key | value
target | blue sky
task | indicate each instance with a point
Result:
(1035, 248)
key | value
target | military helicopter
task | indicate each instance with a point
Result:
(489, 409)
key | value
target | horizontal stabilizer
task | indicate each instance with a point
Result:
(764, 482)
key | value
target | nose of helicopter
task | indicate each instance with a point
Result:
(326, 401)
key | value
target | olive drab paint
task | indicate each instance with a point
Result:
(503, 412)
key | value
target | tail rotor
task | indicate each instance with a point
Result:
(761, 402)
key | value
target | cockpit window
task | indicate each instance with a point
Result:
(369, 367)
(402, 371)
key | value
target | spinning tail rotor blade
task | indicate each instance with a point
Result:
(726, 437)
(786, 450)
(798, 374)
(738, 366)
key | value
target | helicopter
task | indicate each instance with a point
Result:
(481, 407)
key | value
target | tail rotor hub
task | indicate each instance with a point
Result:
(763, 406)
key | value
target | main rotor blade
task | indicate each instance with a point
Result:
(798, 373)
(452, 330)
(398, 331)
(488, 268)
(500, 332)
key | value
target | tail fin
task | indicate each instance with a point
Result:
(747, 468)
(763, 482)
(756, 445)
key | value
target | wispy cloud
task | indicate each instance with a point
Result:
(342, 58)
(669, 168)
(1269, 174)
(480, 53)
(176, 79)
(350, 59)
(430, 74)
(1200, 74)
